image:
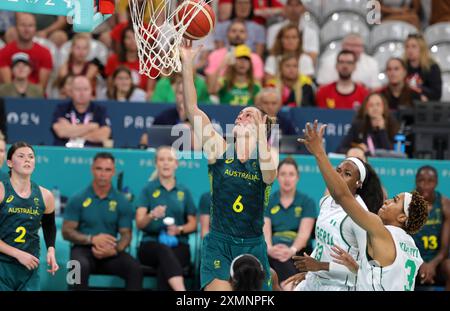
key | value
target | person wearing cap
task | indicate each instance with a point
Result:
(238, 87)
(94, 219)
(40, 56)
(20, 86)
(166, 214)
(389, 257)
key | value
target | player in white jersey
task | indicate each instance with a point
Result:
(334, 227)
(391, 260)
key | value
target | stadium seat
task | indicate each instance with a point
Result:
(446, 87)
(336, 6)
(441, 53)
(331, 48)
(387, 50)
(389, 32)
(437, 33)
(314, 7)
(98, 50)
(341, 24)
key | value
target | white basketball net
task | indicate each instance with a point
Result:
(158, 40)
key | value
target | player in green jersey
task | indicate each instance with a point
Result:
(241, 173)
(24, 205)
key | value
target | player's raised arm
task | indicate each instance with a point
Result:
(337, 187)
(212, 142)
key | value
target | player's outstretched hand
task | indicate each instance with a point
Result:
(187, 53)
(28, 260)
(343, 258)
(51, 261)
(306, 263)
(313, 137)
(293, 281)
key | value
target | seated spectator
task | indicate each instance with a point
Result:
(269, 101)
(165, 89)
(433, 238)
(373, 127)
(294, 14)
(65, 87)
(397, 92)
(122, 88)
(77, 63)
(236, 34)
(3, 124)
(243, 12)
(165, 245)
(424, 74)
(238, 87)
(93, 219)
(128, 56)
(401, 10)
(345, 93)
(440, 11)
(296, 89)
(288, 41)
(20, 86)
(81, 122)
(366, 70)
(40, 56)
(224, 10)
(288, 221)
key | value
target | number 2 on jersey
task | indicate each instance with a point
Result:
(238, 207)
(22, 231)
(411, 274)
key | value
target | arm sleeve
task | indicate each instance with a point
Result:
(142, 200)
(432, 87)
(49, 229)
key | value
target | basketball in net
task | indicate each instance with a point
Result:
(159, 28)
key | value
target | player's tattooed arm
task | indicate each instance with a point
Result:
(70, 233)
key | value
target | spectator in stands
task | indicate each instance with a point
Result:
(288, 221)
(269, 101)
(366, 70)
(166, 87)
(238, 87)
(7, 21)
(3, 174)
(440, 11)
(237, 35)
(93, 220)
(40, 56)
(78, 63)
(122, 88)
(128, 56)
(424, 74)
(293, 12)
(288, 41)
(433, 239)
(165, 244)
(373, 127)
(397, 92)
(65, 87)
(296, 89)
(345, 93)
(81, 122)
(242, 11)
(204, 206)
(224, 10)
(267, 11)
(3, 119)
(20, 86)
(403, 10)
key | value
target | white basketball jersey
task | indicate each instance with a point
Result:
(400, 275)
(334, 227)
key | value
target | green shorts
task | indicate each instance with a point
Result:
(15, 277)
(219, 250)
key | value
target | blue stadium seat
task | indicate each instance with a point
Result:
(437, 33)
(390, 31)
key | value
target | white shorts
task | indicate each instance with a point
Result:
(313, 283)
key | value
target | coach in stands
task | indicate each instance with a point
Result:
(81, 123)
(93, 219)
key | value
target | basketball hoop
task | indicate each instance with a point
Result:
(158, 38)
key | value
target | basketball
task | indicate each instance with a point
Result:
(202, 21)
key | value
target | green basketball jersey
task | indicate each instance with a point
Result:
(239, 197)
(238, 95)
(428, 239)
(20, 220)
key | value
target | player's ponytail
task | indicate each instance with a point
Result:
(371, 191)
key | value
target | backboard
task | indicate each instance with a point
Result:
(84, 14)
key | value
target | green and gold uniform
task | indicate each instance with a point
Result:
(428, 239)
(3, 175)
(20, 220)
(204, 206)
(239, 196)
(179, 204)
(95, 215)
(238, 95)
(286, 221)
